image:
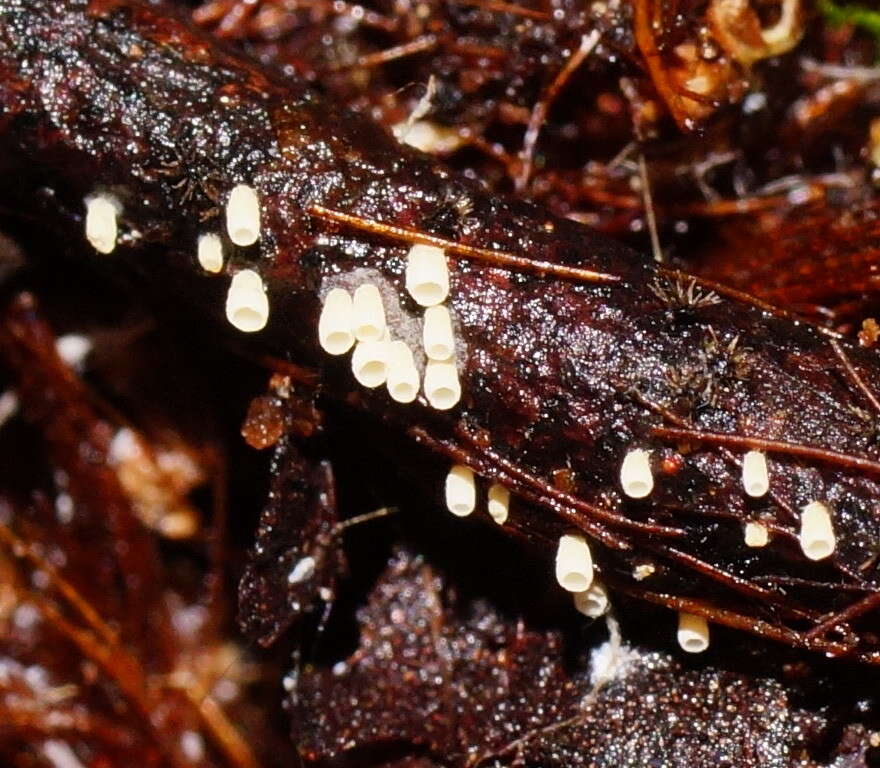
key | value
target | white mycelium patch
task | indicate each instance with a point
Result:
(636, 478)
(816, 535)
(102, 214)
(210, 252)
(461, 491)
(755, 478)
(335, 333)
(574, 563)
(427, 275)
(243, 215)
(498, 503)
(247, 304)
(693, 633)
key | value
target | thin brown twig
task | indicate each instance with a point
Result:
(542, 106)
(816, 453)
(500, 259)
(855, 376)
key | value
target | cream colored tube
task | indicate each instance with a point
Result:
(247, 305)
(243, 215)
(574, 563)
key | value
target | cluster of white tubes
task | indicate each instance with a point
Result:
(461, 495)
(427, 281)
(816, 535)
(359, 321)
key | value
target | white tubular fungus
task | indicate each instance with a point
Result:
(693, 633)
(302, 571)
(369, 314)
(73, 349)
(427, 275)
(335, 333)
(756, 534)
(403, 376)
(461, 491)
(592, 602)
(441, 385)
(209, 252)
(8, 406)
(498, 503)
(243, 215)
(247, 305)
(102, 213)
(369, 363)
(437, 333)
(635, 474)
(574, 563)
(755, 480)
(817, 532)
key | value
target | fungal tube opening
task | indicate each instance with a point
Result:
(369, 314)
(427, 275)
(210, 252)
(102, 229)
(403, 376)
(756, 534)
(816, 536)
(437, 335)
(369, 363)
(335, 322)
(574, 563)
(755, 479)
(498, 503)
(592, 602)
(442, 388)
(636, 478)
(461, 490)
(247, 305)
(693, 633)
(243, 215)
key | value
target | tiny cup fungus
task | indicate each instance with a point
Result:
(427, 275)
(816, 535)
(403, 376)
(461, 491)
(756, 534)
(592, 602)
(498, 503)
(441, 385)
(335, 332)
(102, 213)
(243, 215)
(302, 571)
(574, 563)
(369, 363)
(635, 474)
(755, 479)
(437, 333)
(369, 314)
(693, 633)
(209, 252)
(247, 305)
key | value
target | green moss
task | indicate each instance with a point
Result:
(857, 15)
